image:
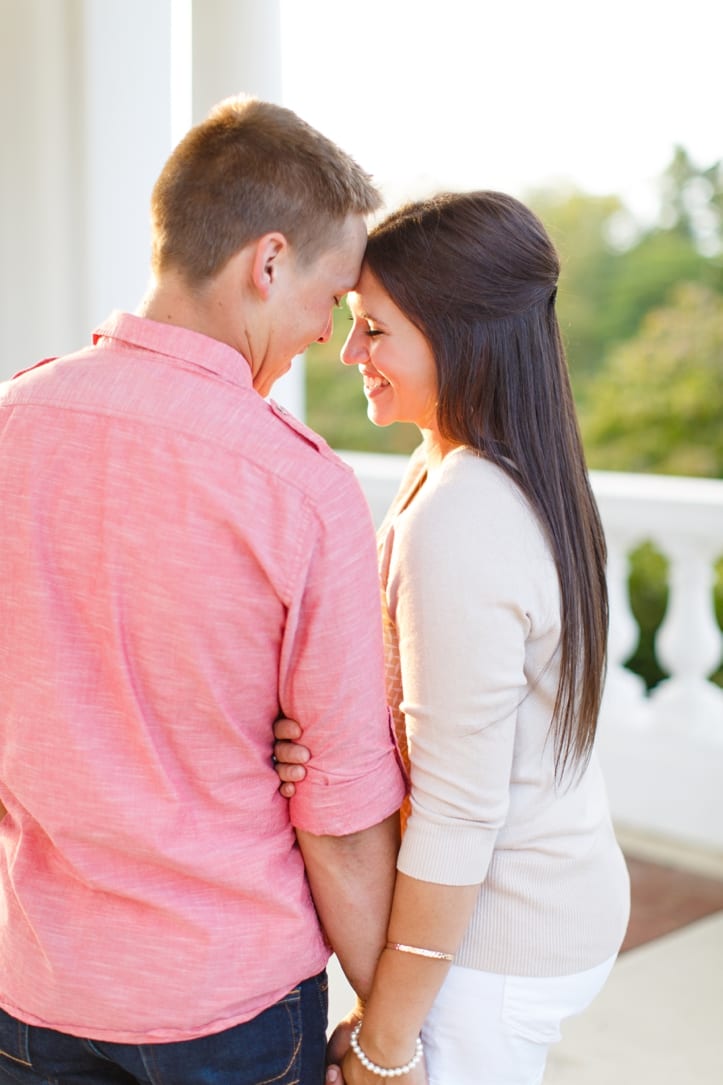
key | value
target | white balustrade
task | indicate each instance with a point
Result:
(688, 643)
(662, 751)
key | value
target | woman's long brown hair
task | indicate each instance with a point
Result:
(477, 274)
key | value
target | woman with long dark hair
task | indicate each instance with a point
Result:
(512, 895)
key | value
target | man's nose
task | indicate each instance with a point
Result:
(326, 334)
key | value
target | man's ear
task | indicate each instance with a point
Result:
(271, 252)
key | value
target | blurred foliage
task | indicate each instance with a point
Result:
(656, 404)
(641, 311)
(615, 270)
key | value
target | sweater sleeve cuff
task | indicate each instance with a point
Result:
(446, 855)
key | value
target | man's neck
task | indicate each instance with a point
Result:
(171, 301)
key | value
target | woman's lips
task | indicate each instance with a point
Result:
(374, 385)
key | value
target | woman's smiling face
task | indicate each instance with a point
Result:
(393, 357)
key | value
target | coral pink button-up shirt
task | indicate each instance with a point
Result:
(181, 562)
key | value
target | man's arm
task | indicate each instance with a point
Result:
(352, 881)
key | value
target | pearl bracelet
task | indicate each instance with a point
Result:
(383, 1071)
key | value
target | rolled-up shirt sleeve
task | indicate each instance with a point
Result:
(457, 592)
(332, 672)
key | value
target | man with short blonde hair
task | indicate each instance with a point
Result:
(183, 563)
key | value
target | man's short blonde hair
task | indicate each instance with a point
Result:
(249, 168)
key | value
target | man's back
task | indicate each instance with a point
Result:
(177, 559)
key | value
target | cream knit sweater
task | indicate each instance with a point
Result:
(473, 625)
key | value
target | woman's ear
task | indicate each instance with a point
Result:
(270, 254)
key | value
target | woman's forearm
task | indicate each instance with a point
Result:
(424, 915)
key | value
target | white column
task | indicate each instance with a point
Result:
(237, 49)
(85, 106)
(40, 208)
(126, 106)
(624, 700)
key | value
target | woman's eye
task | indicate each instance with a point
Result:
(364, 328)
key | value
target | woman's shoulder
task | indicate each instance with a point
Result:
(468, 489)
(470, 509)
(471, 525)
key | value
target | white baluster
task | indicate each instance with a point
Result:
(624, 700)
(689, 644)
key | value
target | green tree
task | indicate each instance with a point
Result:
(692, 202)
(646, 275)
(657, 404)
(614, 270)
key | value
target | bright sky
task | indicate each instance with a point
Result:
(511, 94)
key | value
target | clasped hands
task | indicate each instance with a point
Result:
(345, 1069)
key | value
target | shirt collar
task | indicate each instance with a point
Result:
(178, 343)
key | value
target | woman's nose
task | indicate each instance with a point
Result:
(354, 350)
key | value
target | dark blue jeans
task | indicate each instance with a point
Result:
(284, 1045)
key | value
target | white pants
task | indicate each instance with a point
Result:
(486, 1029)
